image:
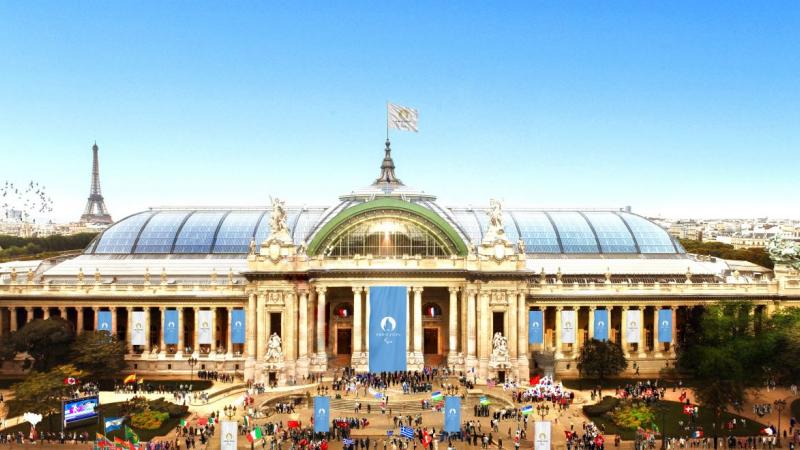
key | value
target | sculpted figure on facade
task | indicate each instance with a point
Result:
(495, 214)
(274, 350)
(278, 217)
(784, 252)
(499, 347)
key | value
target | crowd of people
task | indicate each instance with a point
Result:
(214, 375)
(647, 391)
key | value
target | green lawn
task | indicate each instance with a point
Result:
(674, 414)
(614, 383)
(53, 423)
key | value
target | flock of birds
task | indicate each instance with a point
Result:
(23, 202)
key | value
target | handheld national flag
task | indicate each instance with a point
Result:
(247, 421)
(130, 435)
(697, 433)
(293, 424)
(129, 379)
(485, 401)
(113, 423)
(102, 441)
(254, 434)
(426, 439)
(118, 442)
(534, 380)
(183, 422)
(406, 432)
(402, 118)
(347, 442)
(437, 396)
(527, 410)
(599, 440)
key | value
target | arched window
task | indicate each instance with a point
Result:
(387, 237)
(432, 310)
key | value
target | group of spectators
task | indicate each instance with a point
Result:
(647, 391)
(214, 375)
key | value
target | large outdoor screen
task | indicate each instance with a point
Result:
(80, 410)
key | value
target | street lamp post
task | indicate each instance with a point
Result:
(543, 410)
(779, 405)
(192, 362)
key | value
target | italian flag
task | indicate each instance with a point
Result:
(247, 421)
(183, 422)
(254, 435)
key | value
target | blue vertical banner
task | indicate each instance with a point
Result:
(171, 326)
(237, 326)
(535, 327)
(104, 321)
(601, 324)
(452, 414)
(664, 325)
(322, 414)
(387, 328)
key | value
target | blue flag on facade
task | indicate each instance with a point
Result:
(171, 326)
(452, 414)
(322, 414)
(535, 327)
(113, 423)
(664, 325)
(601, 324)
(237, 326)
(104, 321)
(387, 328)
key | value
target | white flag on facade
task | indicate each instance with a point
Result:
(205, 323)
(569, 323)
(137, 328)
(227, 435)
(633, 326)
(541, 435)
(402, 118)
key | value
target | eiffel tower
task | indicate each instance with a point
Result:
(95, 211)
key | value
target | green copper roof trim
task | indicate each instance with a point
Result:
(387, 203)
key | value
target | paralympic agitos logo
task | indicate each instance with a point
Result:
(387, 331)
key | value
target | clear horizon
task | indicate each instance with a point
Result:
(680, 110)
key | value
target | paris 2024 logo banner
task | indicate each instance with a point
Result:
(387, 328)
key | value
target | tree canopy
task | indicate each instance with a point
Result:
(726, 251)
(18, 247)
(41, 392)
(600, 359)
(47, 342)
(98, 353)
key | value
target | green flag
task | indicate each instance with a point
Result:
(131, 436)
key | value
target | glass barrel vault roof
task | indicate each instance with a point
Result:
(230, 231)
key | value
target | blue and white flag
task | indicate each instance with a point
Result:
(535, 327)
(452, 414)
(238, 326)
(387, 328)
(322, 414)
(406, 432)
(601, 324)
(171, 326)
(113, 423)
(664, 325)
(347, 442)
(104, 321)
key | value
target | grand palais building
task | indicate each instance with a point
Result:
(279, 292)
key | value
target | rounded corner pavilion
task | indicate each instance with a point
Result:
(387, 279)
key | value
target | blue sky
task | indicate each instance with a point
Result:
(675, 108)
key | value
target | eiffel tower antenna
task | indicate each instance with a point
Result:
(95, 211)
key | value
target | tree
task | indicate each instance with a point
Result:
(600, 359)
(42, 392)
(98, 353)
(46, 341)
(8, 347)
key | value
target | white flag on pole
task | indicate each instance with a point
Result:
(402, 118)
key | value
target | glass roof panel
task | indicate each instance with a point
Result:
(197, 233)
(305, 223)
(612, 233)
(466, 219)
(576, 234)
(159, 233)
(236, 232)
(536, 232)
(651, 237)
(119, 238)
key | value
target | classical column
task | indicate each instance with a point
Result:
(522, 337)
(366, 322)
(484, 335)
(214, 322)
(642, 334)
(3, 321)
(657, 346)
(250, 329)
(147, 344)
(321, 351)
(471, 331)
(590, 326)
(674, 340)
(46, 313)
(114, 320)
(453, 323)
(356, 324)
(302, 331)
(79, 320)
(418, 320)
(228, 336)
(13, 325)
(181, 332)
(261, 327)
(128, 329)
(29, 310)
(289, 319)
(511, 324)
(623, 338)
(162, 346)
(557, 331)
(96, 311)
(196, 334)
